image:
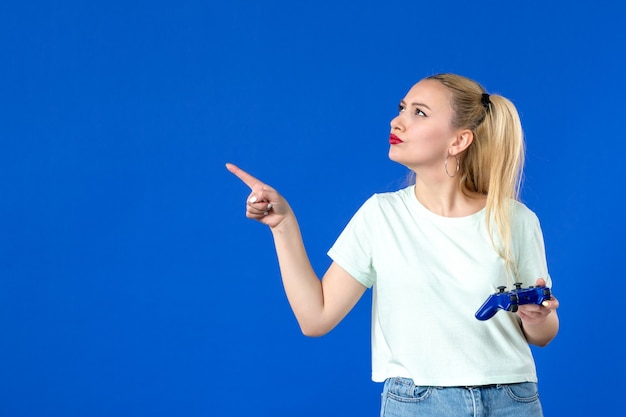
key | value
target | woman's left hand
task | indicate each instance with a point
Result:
(533, 314)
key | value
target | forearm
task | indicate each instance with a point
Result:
(302, 285)
(541, 334)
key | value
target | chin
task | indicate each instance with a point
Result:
(394, 157)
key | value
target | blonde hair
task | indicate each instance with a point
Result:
(493, 164)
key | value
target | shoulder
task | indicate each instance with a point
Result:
(391, 197)
(387, 202)
(382, 204)
(522, 216)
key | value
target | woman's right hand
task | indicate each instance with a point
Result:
(264, 203)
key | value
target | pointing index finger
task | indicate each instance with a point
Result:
(246, 178)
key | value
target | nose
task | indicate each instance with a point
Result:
(396, 123)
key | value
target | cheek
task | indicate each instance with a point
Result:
(439, 132)
(446, 136)
(431, 136)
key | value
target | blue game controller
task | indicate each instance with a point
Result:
(510, 300)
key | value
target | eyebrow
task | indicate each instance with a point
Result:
(414, 104)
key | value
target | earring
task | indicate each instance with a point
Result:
(445, 166)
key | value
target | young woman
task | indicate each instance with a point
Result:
(432, 253)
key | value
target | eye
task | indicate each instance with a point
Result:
(418, 112)
(401, 108)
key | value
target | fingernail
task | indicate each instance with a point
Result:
(269, 206)
(546, 304)
(253, 199)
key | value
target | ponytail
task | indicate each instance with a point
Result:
(493, 164)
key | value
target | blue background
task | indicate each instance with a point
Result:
(131, 283)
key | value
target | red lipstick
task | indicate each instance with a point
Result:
(394, 140)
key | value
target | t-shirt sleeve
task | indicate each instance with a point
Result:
(531, 257)
(353, 248)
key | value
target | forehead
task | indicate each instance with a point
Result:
(431, 93)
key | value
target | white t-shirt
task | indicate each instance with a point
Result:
(429, 275)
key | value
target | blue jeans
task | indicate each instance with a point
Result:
(402, 398)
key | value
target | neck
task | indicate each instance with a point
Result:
(444, 197)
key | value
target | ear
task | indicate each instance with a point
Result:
(463, 140)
